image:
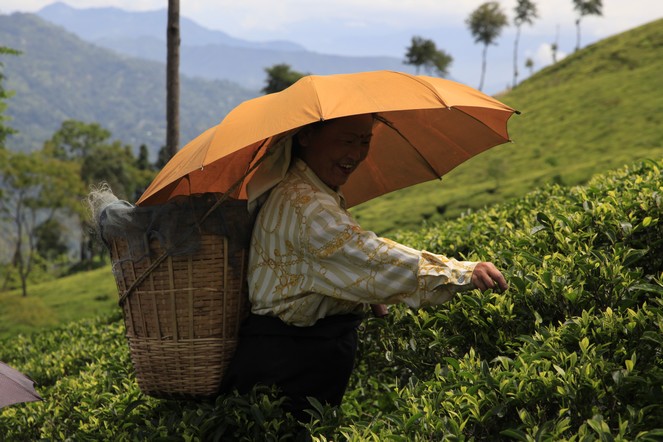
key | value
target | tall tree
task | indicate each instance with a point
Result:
(586, 7)
(486, 23)
(173, 78)
(525, 13)
(423, 52)
(279, 77)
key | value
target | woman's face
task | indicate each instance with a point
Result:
(334, 150)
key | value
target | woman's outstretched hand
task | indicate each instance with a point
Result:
(486, 276)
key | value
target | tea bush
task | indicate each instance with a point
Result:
(572, 351)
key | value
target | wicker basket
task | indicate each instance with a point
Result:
(182, 313)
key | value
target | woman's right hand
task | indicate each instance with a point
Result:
(486, 276)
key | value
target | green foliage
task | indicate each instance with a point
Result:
(143, 160)
(588, 7)
(279, 77)
(424, 52)
(571, 352)
(32, 188)
(486, 23)
(49, 236)
(98, 159)
(4, 95)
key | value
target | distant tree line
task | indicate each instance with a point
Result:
(485, 24)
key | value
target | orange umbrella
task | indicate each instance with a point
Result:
(425, 127)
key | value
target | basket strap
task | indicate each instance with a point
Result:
(218, 202)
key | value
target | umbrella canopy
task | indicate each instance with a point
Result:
(425, 127)
(15, 387)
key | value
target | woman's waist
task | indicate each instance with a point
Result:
(305, 311)
(328, 327)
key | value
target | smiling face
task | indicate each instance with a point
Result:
(334, 149)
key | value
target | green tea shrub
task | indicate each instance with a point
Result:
(573, 351)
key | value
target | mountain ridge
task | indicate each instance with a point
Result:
(58, 77)
(204, 52)
(93, 24)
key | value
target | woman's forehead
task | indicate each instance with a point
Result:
(355, 124)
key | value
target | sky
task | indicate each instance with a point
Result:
(385, 27)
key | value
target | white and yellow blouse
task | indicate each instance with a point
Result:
(310, 259)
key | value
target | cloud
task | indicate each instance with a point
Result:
(542, 56)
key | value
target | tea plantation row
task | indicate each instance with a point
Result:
(572, 351)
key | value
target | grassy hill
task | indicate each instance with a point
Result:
(595, 110)
(58, 302)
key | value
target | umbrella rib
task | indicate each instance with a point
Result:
(389, 124)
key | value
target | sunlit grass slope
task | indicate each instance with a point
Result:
(593, 111)
(50, 304)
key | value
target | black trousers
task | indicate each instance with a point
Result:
(312, 361)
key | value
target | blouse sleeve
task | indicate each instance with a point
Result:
(349, 263)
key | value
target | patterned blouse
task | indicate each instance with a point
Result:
(310, 259)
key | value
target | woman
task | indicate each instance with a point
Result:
(313, 271)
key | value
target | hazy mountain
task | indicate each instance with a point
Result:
(99, 24)
(58, 76)
(203, 52)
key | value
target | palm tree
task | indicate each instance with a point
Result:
(525, 13)
(486, 23)
(586, 7)
(555, 46)
(172, 78)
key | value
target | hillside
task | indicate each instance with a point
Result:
(58, 77)
(54, 303)
(595, 110)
